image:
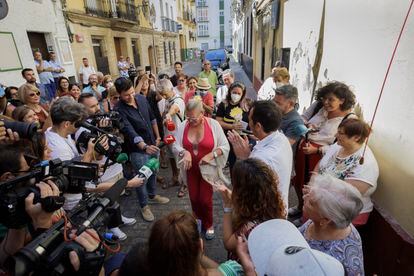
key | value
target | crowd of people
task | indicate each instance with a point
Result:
(250, 152)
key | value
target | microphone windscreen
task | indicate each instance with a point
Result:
(122, 158)
(115, 191)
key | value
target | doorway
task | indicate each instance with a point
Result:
(38, 43)
(102, 63)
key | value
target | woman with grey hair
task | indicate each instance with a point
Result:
(331, 205)
(200, 140)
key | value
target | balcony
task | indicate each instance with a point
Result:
(169, 25)
(111, 9)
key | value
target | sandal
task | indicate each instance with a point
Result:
(210, 234)
(164, 165)
(161, 180)
(182, 192)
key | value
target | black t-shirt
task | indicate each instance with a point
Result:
(174, 80)
(152, 100)
(230, 112)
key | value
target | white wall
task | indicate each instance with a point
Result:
(359, 39)
(45, 17)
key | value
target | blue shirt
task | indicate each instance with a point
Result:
(348, 251)
(137, 123)
(55, 65)
(289, 126)
(45, 77)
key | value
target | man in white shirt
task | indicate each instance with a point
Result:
(85, 71)
(272, 147)
(228, 79)
(123, 67)
(65, 113)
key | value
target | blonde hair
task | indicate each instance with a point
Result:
(24, 90)
(113, 92)
(281, 72)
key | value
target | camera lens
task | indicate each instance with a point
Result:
(24, 130)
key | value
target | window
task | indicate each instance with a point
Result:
(221, 13)
(162, 8)
(202, 14)
(202, 29)
(166, 10)
(221, 5)
(201, 3)
(221, 19)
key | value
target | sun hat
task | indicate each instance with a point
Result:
(203, 84)
(278, 248)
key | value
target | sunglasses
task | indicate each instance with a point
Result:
(115, 98)
(34, 94)
(181, 80)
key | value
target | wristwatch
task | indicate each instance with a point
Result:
(181, 154)
(145, 147)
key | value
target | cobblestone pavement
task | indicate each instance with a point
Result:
(129, 204)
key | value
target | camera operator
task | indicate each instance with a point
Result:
(13, 164)
(65, 113)
(114, 172)
(142, 139)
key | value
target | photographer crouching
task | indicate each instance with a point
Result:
(66, 117)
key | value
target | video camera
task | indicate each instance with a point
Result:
(48, 254)
(69, 177)
(25, 130)
(114, 153)
(113, 117)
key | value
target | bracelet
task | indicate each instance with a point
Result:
(227, 210)
(145, 147)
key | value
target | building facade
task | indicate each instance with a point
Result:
(257, 36)
(104, 30)
(214, 24)
(187, 29)
(42, 28)
(166, 30)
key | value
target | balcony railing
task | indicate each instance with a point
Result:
(111, 9)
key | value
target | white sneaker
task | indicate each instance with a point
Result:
(128, 221)
(118, 232)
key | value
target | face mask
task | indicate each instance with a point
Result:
(235, 98)
(203, 93)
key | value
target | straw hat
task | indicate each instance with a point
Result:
(203, 84)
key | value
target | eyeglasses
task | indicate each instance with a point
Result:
(115, 98)
(207, 63)
(181, 80)
(34, 94)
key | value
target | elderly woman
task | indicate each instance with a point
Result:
(255, 199)
(331, 205)
(30, 96)
(336, 101)
(346, 160)
(200, 140)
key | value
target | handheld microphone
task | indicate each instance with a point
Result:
(148, 169)
(168, 140)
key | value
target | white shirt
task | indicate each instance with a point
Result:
(221, 94)
(86, 72)
(64, 149)
(349, 168)
(267, 90)
(276, 151)
(327, 128)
